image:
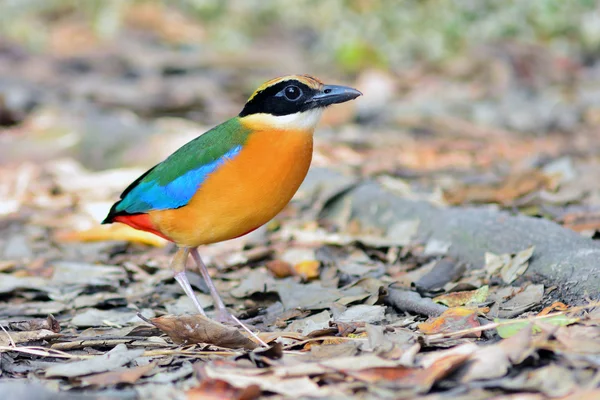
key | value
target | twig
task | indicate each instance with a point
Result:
(140, 316)
(154, 353)
(41, 351)
(406, 300)
(250, 332)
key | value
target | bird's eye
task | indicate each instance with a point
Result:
(292, 92)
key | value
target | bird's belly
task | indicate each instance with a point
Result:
(243, 194)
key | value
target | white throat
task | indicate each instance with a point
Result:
(306, 120)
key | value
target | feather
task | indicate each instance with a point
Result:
(172, 183)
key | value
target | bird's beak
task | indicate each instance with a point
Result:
(332, 94)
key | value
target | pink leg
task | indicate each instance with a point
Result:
(222, 314)
(178, 266)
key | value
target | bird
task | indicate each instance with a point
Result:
(232, 179)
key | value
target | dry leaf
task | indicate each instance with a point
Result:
(280, 268)
(509, 266)
(579, 339)
(308, 269)
(49, 323)
(129, 375)
(101, 233)
(490, 362)
(298, 386)
(505, 193)
(456, 299)
(453, 319)
(189, 329)
(115, 358)
(24, 337)
(421, 379)
(216, 389)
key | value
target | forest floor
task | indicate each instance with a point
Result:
(339, 308)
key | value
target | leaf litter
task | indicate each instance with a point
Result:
(346, 310)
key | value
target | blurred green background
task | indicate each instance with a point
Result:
(89, 78)
(348, 34)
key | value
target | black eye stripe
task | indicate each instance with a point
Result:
(274, 100)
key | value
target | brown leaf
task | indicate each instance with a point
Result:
(188, 329)
(216, 389)
(280, 268)
(582, 221)
(422, 379)
(506, 192)
(493, 361)
(453, 319)
(129, 375)
(35, 324)
(24, 337)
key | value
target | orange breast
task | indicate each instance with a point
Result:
(244, 193)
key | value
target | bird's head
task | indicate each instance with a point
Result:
(293, 102)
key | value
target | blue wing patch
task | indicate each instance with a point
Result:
(149, 196)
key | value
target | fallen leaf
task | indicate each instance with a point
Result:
(268, 381)
(453, 319)
(307, 269)
(49, 323)
(9, 283)
(552, 380)
(129, 375)
(216, 389)
(506, 192)
(493, 361)
(328, 350)
(115, 358)
(466, 349)
(310, 324)
(24, 337)
(456, 299)
(95, 317)
(111, 232)
(344, 364)
(419, 379)
(579, 339)
(556, 306)
(508, 330)
(280, 268)
(509, 266)
(363, 313)
(582, 221)
(189, 329)
(522, 301)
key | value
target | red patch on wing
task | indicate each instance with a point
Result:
(141, 222)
